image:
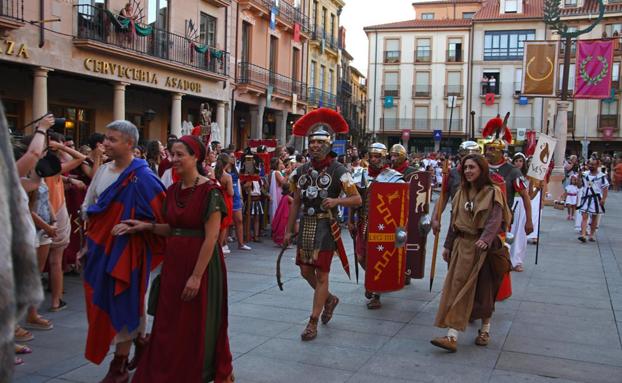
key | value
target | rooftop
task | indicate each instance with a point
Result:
(532, 9)
(590, 7)
(410, 24)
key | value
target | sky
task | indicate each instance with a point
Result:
(358, 14)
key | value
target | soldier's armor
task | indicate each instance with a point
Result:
(315, 186)
(509, 174)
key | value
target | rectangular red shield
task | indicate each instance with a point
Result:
(419, 206)
(388, 212)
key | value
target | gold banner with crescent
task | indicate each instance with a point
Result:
(539, 68)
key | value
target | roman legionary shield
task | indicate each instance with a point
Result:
(386, 236)
(419, 206)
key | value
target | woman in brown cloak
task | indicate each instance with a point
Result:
(477, 257)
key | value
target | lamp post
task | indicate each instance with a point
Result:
(553, 20)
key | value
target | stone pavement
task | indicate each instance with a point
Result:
(562, 323)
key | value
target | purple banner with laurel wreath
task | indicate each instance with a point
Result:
(594, 64)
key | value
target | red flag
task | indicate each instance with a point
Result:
(490, 99)
(594, 67)
(297, 32)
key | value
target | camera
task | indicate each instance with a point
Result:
(59, 124)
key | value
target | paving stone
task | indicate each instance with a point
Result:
(266, 370)
(502, 376)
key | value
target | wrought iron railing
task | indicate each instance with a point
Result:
(101, 25)
(453, 90)
(320, 34)
(261, 77)
(422, 90)
(288, 13)
(490, 87)
(319, 97)
(12, 9)
(390, 90)
(346, 88)
(423, 54)
(454, 55)
(421, 124)
(392, 57)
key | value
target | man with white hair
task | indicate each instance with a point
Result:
(116, 271)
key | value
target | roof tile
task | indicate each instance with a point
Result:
(532, 9)
(408, 24)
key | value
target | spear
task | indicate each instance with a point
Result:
(439, 213)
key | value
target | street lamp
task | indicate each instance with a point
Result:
(552, 19)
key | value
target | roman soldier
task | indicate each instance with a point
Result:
(317, 188)
(399, 161)
(515, 183)
(378, 171)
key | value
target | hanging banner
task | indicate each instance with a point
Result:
(593, 65)
(273, 13)
(297, 32)
(490, 99)
(539, 68)
(542, 157)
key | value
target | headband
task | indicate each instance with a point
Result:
(195, 145)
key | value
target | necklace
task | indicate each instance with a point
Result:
(182, 204)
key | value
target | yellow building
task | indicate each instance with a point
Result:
(359, 104)
(324, 51)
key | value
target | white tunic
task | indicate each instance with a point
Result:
(593, 186)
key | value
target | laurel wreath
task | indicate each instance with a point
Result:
(598, 78)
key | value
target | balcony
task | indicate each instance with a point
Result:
(454, 55)
(392, 57)
(513, 123)
(320, 98)
(390, 90)
(487, 87)
(286, 14)
(453, 90)
(11, 14)
(423, 55)
(608, 123)
(422, 91)
(346, 88)
(260, 78)
(320, 35)
(427, 125)
(219, 3)
(100, 30)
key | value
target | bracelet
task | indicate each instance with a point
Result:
(41, 132)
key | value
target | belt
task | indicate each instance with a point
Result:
(318, 216)
(572, 194)
(462, 234)
(178, 232)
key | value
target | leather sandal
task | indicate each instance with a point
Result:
(369, 294)
(374, 302)
(329, 307)
(445, 342)
(310, 332)
(140, 344)
(482, 339)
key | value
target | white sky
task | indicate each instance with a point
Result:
(358, 14)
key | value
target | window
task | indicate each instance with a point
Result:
(207, 30)
(427, 16)
(609, 108)
(83, 122)
(390, 115)
(332, 27)
(157, 13)
(314, 13)
(454, 51)
(454, 83)
(424, 52)
(322, 76)
(14, 111)
(611, 28)
(506, 45)
(246, 41)
(490, 83)
(421, 117)
(390, 84)
(324, 19)
(331, 75)
(295, 63)
(392, 51)
(615, 76)
(571, 77)
(274, 50)
(312, 74)
(518, 80)
(570, 3)
(456, 121)
(511, 6)
(468, 15)
(422, 84)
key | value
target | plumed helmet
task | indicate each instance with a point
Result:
(321, 134)
(400, 150)
(469, 147)
(378, 148)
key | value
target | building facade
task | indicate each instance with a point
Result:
(359, 108)
(418, 75)
(593, 125)
(154, 64)
(323, 60)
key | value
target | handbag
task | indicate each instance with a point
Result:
(154, 293)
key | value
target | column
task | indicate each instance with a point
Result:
(561, 134)
(40, 92)
(220, 120)
(257, 120)
(176, 114)
(281, 127)
(118, 104)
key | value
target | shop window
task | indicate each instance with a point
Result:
(83, 122)
(14, 111)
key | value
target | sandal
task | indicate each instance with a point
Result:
(23, 335)
(582, 239)
(310, 332)
(39, 324)
(369, 294)
(518, 268)
(374, 302)
(61, 306)
(329, 307)
(482, 339)
(21, 349)
(591, 239)
(18, 361)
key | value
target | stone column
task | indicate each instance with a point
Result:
(220, 120)
(176, 114)
(118, 105)
(40, 92)
(561, 134)
(281, 127)
(257, 121)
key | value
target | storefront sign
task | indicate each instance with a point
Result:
(139, 74)
(11, 48)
